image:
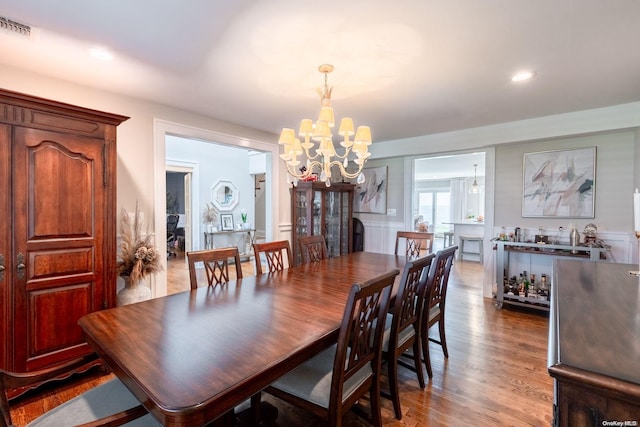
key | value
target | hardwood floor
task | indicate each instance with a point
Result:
(496, 373)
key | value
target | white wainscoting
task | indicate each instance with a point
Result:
(381, 236)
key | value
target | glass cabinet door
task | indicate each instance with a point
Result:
(346, 223)
(301, 221)
(332, 221)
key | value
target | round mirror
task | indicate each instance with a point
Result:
(224, 195)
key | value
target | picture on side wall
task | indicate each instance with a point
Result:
(227, 222)
(371, 196)
(559, 184)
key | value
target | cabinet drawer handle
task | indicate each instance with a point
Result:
(2, 267)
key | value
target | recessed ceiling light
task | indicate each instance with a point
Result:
(521, 76)
(101, 53)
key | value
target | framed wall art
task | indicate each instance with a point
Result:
(559, 184)
(226, 222)
(371, 196)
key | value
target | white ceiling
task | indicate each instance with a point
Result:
(406, 68)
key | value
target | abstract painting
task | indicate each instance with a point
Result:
(559, 184)
(371, 196)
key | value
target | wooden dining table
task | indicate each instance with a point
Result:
(191, 357)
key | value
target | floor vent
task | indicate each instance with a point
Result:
(7, 25)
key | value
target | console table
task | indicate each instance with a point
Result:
(503, 270)
(594, 346)
(244, 240)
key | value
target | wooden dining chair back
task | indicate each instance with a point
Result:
(415, 243)
(330, 383)
(435, 299)
(313, 248)
(216, 265)
(403, 325)
(275, 254)
(110, 403)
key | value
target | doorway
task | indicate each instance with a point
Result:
(179, 191)
(444, 190)
(164, 129)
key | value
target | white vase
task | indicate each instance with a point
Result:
(132, 292)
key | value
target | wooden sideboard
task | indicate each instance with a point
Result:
(594, 344)
(58, 234)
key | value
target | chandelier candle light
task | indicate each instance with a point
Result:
(325, 155)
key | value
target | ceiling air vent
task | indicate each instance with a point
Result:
(7, 25)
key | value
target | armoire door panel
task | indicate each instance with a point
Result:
(46, 264)
(54, 170)
(50, 326)
(58, 221)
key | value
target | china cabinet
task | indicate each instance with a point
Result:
(321, 210)
(58, 237)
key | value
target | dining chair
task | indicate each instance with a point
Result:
(313, 248)
(216, 265)
(110, 403)
(334, 380)
(403, 325)
(416, 242)
(274, 253)
(435, 299)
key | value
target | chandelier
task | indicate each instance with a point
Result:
(324, 156)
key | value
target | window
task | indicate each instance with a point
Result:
(434, 207)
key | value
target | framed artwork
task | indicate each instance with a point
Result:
(371, 196)
(227, 222)
(559, 184)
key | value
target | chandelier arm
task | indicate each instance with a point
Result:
(309, 156)
(347, 151)
(303, 175)
(344, 172)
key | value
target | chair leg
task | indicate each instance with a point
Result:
(418, 363)
(443, 339)
(376, 414)
(255, 408)
(425, 351)
(392, 374)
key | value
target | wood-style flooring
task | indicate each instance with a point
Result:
(496, 373)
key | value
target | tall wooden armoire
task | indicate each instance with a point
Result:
(57, 227)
